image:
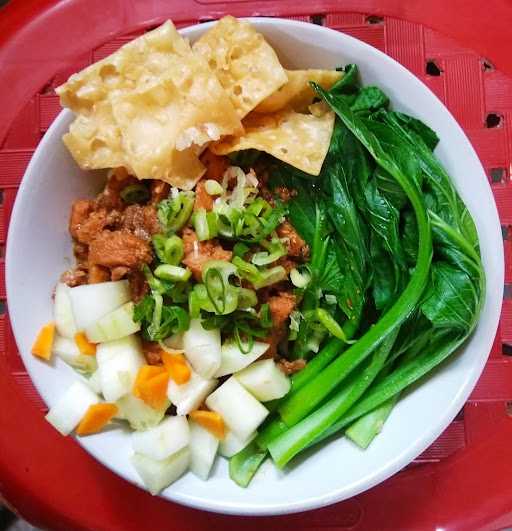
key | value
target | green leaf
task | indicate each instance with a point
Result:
(384, 285)
(349, 82)
(421, 129)
(451, 300)
(384, 219)
(409, 236)
(369, 99)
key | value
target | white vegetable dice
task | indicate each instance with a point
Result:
(67, 413)
(231, 444)
(138, 414)
(114, 325)
(159, 474)
(202, 349)
(118, 363)
(63, 312)
(233, 359)
(203, 449)
(67, 350)
(264, 380)
(189, 396)
(170, 436)
(92, 301)
(241, 412)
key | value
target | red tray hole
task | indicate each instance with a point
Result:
(493, 120)
(319, 20)
(508, 408)
(506, 349)
(498, 175)
(2, 308)
(487, 66)
(507, 292)
(432, 68)
(374, 19)
(505, 230)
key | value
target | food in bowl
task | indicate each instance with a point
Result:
(271, 261)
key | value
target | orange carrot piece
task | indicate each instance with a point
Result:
(177, 366)
(211, 421)
(84, 345)
(95, 418)
(151, 385)
(42, 347)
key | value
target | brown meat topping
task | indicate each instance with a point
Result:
(197, 253)
(119, 272)
(159, 191)
(203, 198)
(81, 252)
(138, 284)
(80, 211)
(281, 306)
(119, 248)
(285, 194)
(98, 274)
(74, 277)
(142, 221)
(110, 198)
(297, 247)
(215, 165)
(152, 352)
(291, 367)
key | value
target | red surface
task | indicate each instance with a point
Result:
(463, 480)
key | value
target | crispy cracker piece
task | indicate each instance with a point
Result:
(245, 64)
(149, 107)
(301, 140)
(297, 93)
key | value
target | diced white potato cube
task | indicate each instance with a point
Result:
(92, 301)
(67, 413)
(94, 382)
(170, 436)
(231, 444)
(138, 414)
(233, 359)
(114, 325)
(118, 363)
(159, 474)
(203, 449)
(174, 342)
(189, 396)
(67, 350)
(264, 380)
(241, 412)
(63, 312)
(202, 349)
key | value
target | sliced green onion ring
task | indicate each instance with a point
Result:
(172, 273)
(135, 193)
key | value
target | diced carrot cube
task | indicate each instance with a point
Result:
(151, 385)
(211, 421)
(42, 347)
(177, 366)
(84, 345)
(95, 418)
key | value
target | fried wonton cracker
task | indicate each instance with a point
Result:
(297, 93)
(301, 140)
(144, 106)
(245, 64)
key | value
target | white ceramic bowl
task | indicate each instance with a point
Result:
(39, 249)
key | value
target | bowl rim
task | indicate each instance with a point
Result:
(396, 464)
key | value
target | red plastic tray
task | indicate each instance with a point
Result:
(463, 480)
